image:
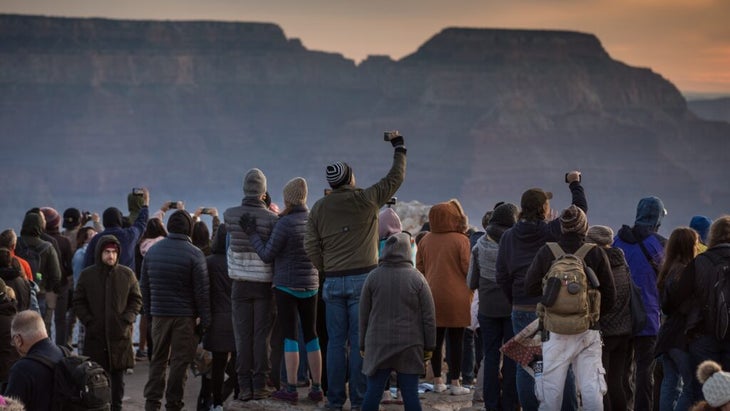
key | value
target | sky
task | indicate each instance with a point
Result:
(686, 41)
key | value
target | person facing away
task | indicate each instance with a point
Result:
(175, 293)
(643, 248)
(397, 324)
(295, 283)
(107, 300)
(128, 237)
(443, 258)
(616, 323)
(251, 296)
(701, 224)
(517, 248)
(342, 242)
(30, 380)
(494, 312)
(582, 350)
(696, 285)
(671, 344)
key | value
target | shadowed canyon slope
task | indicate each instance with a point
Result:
(92, 107)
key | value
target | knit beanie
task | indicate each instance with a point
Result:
(701, 224)
(180, 222)
(600, 235)
(112, 217)
(388, 223)
(71, 218)
(254, 183)
(295, 191)
(503, 217)
(111, 245)
(715, 383)
(649, 212)
(573, 220)
(338, 173)
(53, 219)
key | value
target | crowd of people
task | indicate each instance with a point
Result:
(339, 298)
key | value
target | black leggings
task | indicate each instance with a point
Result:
(289, 309)
(455, 350)
(222, 365)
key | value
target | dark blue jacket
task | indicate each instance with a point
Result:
(31, 381)
(519, 245)
(285, 248)
(642, 272)
(127, 237)
(174, 280)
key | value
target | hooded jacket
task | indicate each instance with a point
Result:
(649, 214)
(107, 300)
(127, 237)
(518, 247)
(342, 231)
(397, 318)
(174, 278)
(8, 354)
(14, 278)
(443, 258)
(49, 267)
(483, 276)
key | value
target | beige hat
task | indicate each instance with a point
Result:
(295, 192)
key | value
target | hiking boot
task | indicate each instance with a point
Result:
(284, 395)
(245, 395)
(262, 393)
(316, 396)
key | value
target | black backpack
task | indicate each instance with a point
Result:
(78, 383)
(718, 302)
(32, 255)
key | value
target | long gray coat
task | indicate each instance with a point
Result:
(397, 317)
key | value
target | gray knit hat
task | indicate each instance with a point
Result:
(338, 173)
(600, 234)
(573, 220)
(295, 191)
(254, 183)
(715, 383)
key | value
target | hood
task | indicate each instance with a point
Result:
(10, 273)
(448, 217)
(32, 225)
(180, 222)
(219, 242)
(649, 212)
(103, 241)
(112, 217)
(147, 243)
(388, 223)
(134, 204)
(528, 231)
(397, 249)
(633, 235)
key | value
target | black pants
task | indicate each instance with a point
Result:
(455, 349)
(645, 362)
(615, 350)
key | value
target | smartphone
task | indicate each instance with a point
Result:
(205, 210)
(390, 135)
(172, 204)
(392, 201)
(138, 191)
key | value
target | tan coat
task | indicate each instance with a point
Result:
(443, 258)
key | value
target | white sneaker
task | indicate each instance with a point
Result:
(439, 388)
(459, 390)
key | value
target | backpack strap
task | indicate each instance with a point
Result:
(583, 250)
(556, 250)
(47, 361)
(651, 261)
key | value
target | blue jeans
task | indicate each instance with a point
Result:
(408, 384)
(495, 332)
(526, 383)
(676, 388)
(342, 304)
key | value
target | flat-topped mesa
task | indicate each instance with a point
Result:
(468, 45)
(58, 34)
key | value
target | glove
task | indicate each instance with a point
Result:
(200, 329)
(247, 223)
(427, 355)
(398, 142)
